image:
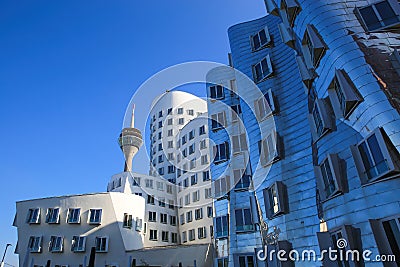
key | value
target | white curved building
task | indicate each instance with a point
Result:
(169, 113)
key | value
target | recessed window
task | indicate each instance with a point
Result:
(149, 183)
(275, 200)
(209, 212)
(33, 216)
(191, 134)
(184, 237)
(236, 111)
(189, 216)
(186, 182)
(170, 144)
(387, 235)
(201, 232)
(160, 124)
(260, 40)
(187, 199)
(171, 204)
(150, 199)
(321, 119)
(181, 121)
(380, 15)
(244, 220)
(127, 223)
(190, 112)
(180, 110)
(74, 215)
(35, 244)
(56, 244)
(221, 186)
(343, 95)
(198, 214)
(171, 169)
(246, 260)
(218, 121)
(161, 202)
(160, 186)
(206, 176)
(196, 196)
(241, 179)
(239, 143)
(217, 92)
(262, 70)
(169, 111)
(101, 244)
(78, 244)
(95, 216)
(202, 130)
(153, 235)
(191, 235)
(221, 152)
(182, 219)
(204, 159)
(160, 158)
(53, 215)
(152, 216)
(191, 149)
(169, 121)
(170, 156)
(330, 177)
(313, 47)
(375, 157)
(139, 224)
(164, 236)
(221, 226)
(172, 220)
(193, 179)
(160, 114)
(163, 218)
(270, 149)
(174, 238)
(265, 105)
(207, 193)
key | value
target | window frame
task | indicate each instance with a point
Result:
(272, 141)
(218, 88)
(50, 216)
(313, 47)
(56, 244)
(244, 227)
(75, 244)
(239, 143)
(33, 216)
(264, 108)
(264, 75)
(99, 246)
(95, 221)
(392, 5)
(281, 198)
(261, 45)
(337, 179)
(217, 149)
(325, 119)
(218, 121)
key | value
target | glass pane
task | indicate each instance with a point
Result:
(239, 217)
(256, 42)
(242, 261)
(263, 37)
(380, 162)
(393, 235)
(328, 178)
(265, 68)
(370, 18)
(250, 261)
(247, 217)
(387, 14)
(258, 72)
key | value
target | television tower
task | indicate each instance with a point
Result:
(130, 140)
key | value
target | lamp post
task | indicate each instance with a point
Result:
(5, 251)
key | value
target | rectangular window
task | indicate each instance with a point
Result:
(170, 156)
(313, 47)
(160, 186)
(207, 193)
(244, 220)
(172, 220)
(169, 111)
(139, 224)
(159, 136)
(198, 214)
(321, 119)
(182, 219)
(56, 244)
(241, 179)
(201, 232)
(204, 159)
(153, 235)
(159, 124)
(262, 70)
(209, 212)
(202, 130)
(184, 139)
(375, 157)
(170, 121)
(149, 183)
(269, 149)
(161, 202)
(379, 15)
(150, 199)
(265, 105)
(78, 244)
(329, 177)
(180, 110)
(186, 182)
(74, 215)
(206, 176)
(187, 199)
(191, 134)
(196, 196)
(221, 186)
(171, 169)
(223, 262)
(152, 216)
(160, 158)
(181, 121)
(217, 92)
(127, 221)
(236, 111)
(171, 204)
(261, 39)
(246, 261)
(164, 236)
(191, 235)
(35, 244)
(161, 171)
(95, 216)
(33, 216)
(184, 237)
(189, 216)
(221, 152)
(275, 200)
(160, 114)
(53, 215)
(239, 143)
(174, 238)
(218, 121)
(101, 244)
(191, 149)
(170, 144)
(163, 218)
(190, 112)
(221, 226)
(203, 144)
(193, 179)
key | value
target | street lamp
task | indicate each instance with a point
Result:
(5, 251)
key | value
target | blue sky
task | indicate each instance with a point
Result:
(67, 72)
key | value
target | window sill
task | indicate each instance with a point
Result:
(382, 178)
(270, 75)
(334, 195)
(267, 45)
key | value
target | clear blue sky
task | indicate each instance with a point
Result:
(67, 71)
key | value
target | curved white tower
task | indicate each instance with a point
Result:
(169, 113)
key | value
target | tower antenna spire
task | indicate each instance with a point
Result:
(133, 117)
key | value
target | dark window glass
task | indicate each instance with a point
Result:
(386, 12)
(370, 18)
